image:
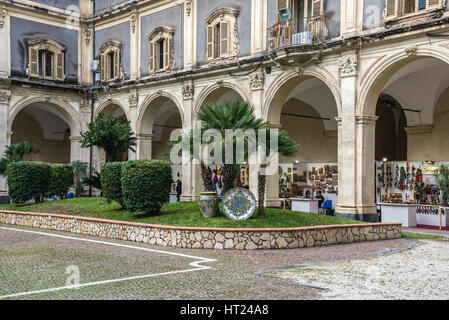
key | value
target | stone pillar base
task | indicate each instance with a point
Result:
(366, 217)
(272, 203)
(184, 198)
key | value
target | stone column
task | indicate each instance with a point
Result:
(75, 149)
(354, 170)
(133, 101)
(365, 157)
(272, 188)
(144, 145)
(5, 65)
(257, 82)
(5, 137)
(191, 172)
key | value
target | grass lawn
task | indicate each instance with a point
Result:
(185, 214)
(422, 236)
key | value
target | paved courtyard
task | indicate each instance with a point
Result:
(39, 264)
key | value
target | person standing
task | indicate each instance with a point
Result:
(178, 189)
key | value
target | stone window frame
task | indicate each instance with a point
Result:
(113, 47)
(394, 11)
(58, 51)
(165, 33)
(222, 17)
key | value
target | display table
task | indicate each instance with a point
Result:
(401, 213)
(304, 205)
(433, 219)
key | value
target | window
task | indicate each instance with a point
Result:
(110, 53)
(395, 9)
(161, 49)
(222, 35)
(46, 59)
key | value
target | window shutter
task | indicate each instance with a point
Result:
(117, 63)
(210, 42)
(157, 55)
(166, 52)
(224, 38)
(60, 66)
(103, 64)
(284, 4)
(435, 4)
(391, 9)
(33, 63)
(152, 54)
(317, 8)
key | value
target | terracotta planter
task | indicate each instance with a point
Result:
(209, 204)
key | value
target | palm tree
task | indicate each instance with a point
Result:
(236, 115)
(286, 147)
(14, 153)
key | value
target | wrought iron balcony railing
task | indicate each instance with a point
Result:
(298, 32)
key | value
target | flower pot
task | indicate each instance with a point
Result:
(209, 204)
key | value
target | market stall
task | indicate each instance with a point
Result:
(409, 188)
(304, 180)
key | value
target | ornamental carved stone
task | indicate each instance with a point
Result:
(257, 80)
(5, 95)
(188, 7)
(87, 34)
(2, 17)
(411, 51)
(187, 91)
(133, 99)
(348, 65)
(133, 21)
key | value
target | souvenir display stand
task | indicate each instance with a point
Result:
(295, 179)
(409, 188)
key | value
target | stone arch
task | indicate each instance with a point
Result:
(378, 75)
(146, 107)
(270, 112)
(206, 92)
(71, 116)
(109, 102)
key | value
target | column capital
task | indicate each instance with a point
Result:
(338, 119)
(367, 120)
(188, 90)
(419, 129)
(274, 126)
(75, 138)
(144, 136)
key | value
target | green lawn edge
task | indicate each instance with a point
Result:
(185, 214)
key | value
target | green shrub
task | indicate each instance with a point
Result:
(111, 184)
(60, 181)
(146, 185)
(28, 180)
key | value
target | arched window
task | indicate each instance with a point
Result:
(222, 35)
(111, 60)
(46, 59)
(162, 56)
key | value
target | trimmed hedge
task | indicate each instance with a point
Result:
(111, 183)
(61, 180)
(28, 180)
(146, 185)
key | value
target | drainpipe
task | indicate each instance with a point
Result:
(92, 98)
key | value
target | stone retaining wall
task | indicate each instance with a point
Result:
(207, 238)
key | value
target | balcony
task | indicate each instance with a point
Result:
(286, 33)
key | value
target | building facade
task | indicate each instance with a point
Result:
(351, 81)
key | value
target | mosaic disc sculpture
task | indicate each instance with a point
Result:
(239, 204)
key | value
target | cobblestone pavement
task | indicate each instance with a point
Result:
(421, 273)
(30, 261)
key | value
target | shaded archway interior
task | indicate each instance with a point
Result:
(47, 128)
(413, 110)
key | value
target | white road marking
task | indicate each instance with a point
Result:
(195, 264)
